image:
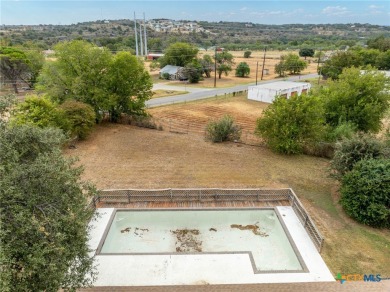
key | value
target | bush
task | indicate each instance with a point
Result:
(223, 130)
(40, 112)
(365, 192)
(290, 125)
(345, 130)
(81, 118)
(247, 54)
(349, 151)
(242, 70)
(165, 76)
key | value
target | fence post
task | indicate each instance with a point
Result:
(128, 196)
(170, 190)
(200, 195)
(306, 217)
(258, 195)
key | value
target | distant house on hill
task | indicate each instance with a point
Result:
(175, 72)
(268, 92)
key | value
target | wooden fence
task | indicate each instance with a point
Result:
(214, 195)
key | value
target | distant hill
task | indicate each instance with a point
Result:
(119, 34)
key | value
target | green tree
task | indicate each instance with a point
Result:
(83, 72)
(35, 63)
(358, 98)
(368, 56)
(40, 112)
(242, 70)
(14, 65)
(247, 54)
(80, 116)
(193, 71)
(365, 192)
(207, 65)
(289, 125)
(280, 68)
(306, 52)
(79, 73)
(224, 63)
(293, 64)
(43, 214)
(178, 54)
(129, 86)
(381, 43)
(334, 66)
(383, 61)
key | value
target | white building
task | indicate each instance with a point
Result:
(268, 92)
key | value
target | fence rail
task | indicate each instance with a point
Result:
(128, 196)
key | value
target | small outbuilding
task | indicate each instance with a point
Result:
(175, 72)
(268, 92)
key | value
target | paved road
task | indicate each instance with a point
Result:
(201, 93)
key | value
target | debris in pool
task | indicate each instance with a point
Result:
(213, 229)
(254, 228)
(187, 241)
(127, 229)
(140, 231)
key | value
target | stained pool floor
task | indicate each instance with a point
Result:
(255, 231)
(144, 251)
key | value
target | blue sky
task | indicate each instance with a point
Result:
(266, 12)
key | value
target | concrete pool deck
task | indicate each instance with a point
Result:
(198, 269)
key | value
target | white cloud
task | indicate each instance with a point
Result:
(335, 10)
(243, 8)
(374, 7)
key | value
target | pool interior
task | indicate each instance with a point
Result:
(258, 232)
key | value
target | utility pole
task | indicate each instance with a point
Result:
(215, 67)
(318, 67)
(257, 70)
(140, 38)
(262, 68)
(136, 37)
(146, 40)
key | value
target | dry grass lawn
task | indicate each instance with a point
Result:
(122, 156)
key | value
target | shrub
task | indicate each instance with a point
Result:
(349, 151)
(356, 98)
(345, 130)
(144, 122)
(247, 54)
(365, 192)
(40, 112)
(81, 118)
(223, 130)
(242, 70)
(165, 76)
(290, 125)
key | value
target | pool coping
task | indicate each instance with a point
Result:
(249, 253)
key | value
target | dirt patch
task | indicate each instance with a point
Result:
(255, 228)
(187, 240)
(194, 116)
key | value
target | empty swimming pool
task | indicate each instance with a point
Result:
(258, 232)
